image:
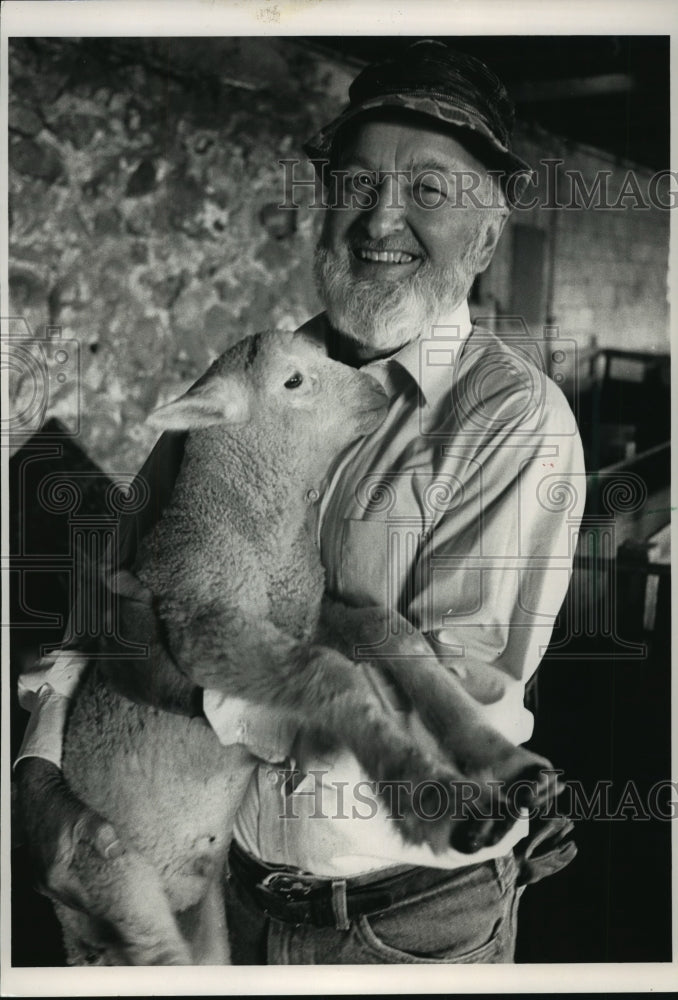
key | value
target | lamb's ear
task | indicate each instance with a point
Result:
(217, 401)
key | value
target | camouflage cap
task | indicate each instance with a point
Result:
(432, 80)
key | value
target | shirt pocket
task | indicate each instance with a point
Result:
(363, 571)
(376, 562)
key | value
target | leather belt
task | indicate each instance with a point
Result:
(297, 898)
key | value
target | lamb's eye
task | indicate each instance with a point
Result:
(294, 381)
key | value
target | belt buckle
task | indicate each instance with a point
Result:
(284, 884)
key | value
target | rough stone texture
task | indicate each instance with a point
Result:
(138, 174)
(144, 183)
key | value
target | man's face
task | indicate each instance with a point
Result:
(394, 257)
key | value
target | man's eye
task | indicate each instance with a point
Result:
(294, 381)
(366, 178)
(432, 188)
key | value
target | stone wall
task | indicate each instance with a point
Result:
(144, 181)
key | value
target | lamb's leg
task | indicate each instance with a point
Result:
(452, 716)
(337, 704)
(205, 928)
(327, 694)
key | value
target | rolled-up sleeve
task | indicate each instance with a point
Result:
(46, 691)
(266, 732)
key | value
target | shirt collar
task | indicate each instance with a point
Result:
(429, 360)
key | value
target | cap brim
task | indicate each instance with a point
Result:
(443, 112)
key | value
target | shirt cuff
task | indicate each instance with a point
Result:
(61, 672)
(264, 731)
(44, 736)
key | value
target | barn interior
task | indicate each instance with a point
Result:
(145, 222)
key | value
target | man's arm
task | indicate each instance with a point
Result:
(45, 691)
(59, 827)
(57, 824)
(487, 595)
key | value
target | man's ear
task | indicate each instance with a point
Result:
(495, 227)
(219, 400)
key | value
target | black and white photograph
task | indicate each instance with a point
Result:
(336, 465)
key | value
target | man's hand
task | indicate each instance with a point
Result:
(549, 848)
(57, 825)
(82, 863)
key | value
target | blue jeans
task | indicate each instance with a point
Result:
(469, 917)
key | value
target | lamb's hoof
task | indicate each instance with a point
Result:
(489, 817)
(473, 835)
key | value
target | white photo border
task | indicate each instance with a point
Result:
(292, 18)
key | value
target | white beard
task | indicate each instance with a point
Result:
(385, 315)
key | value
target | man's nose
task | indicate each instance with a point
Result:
(388, 214)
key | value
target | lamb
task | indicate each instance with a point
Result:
(238, 607)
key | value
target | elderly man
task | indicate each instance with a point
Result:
(441, 514)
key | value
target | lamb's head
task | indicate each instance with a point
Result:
(283, 383)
